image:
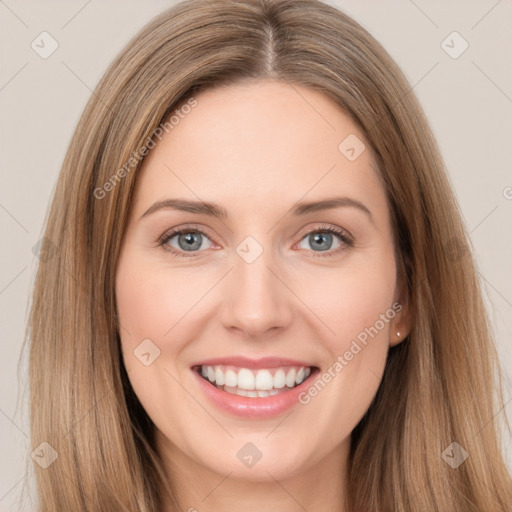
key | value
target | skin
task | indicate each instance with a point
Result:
(257, 149)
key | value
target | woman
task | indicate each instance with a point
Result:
(195, 346)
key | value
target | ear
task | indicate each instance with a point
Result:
(400, 326)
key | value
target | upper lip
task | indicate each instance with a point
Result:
(245, 362)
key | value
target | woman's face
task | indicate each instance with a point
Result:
(262, 297)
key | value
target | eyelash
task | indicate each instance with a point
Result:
(344, 237)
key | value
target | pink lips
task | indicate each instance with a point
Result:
(244, 362)
(247, 407)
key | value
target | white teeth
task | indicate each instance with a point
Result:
(264, 380)
(230, 379)
(245, 379)
(290, 378)
(279, 379)
(253, 382)
(252, 393)
(219, 377)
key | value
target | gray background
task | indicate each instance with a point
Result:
(467, 100)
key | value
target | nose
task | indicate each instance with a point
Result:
(257, 300)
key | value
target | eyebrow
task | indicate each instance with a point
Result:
(215, 210)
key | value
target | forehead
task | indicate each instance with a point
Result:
(264, 141)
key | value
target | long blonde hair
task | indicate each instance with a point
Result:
(441, 385)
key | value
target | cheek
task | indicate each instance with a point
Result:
(149, 302)
(162, 305)
(353, 299)
(357, 307)
(151, 306)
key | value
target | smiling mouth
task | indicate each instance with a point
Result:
(254, 383)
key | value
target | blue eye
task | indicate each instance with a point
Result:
(190, 241)
(322, 239)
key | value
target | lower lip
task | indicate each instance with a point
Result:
(253, 408)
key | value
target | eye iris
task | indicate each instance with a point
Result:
(318, 238)
(192, 241)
